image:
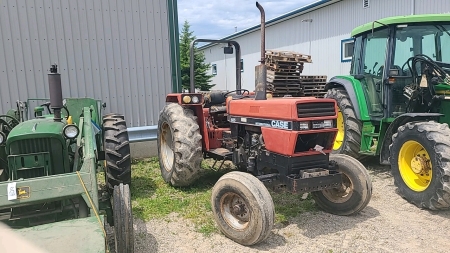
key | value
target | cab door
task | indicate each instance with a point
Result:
(371, 70)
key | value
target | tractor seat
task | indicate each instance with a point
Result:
(213, 98)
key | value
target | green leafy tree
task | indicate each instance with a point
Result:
(202, 78)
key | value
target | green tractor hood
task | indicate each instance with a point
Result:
(36, 128)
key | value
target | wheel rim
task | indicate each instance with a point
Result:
(415, 166)
(341, 131)
(341, 194)
(234, 210)
(167, 146)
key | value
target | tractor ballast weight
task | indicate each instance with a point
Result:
(48, 176)
(282, 144)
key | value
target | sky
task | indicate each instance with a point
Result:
(212, 19)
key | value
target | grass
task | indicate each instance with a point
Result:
(153, 198)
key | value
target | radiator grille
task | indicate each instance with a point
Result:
(31, 146)
(53, 146)
(309, 110)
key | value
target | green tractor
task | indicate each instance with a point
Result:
(49, 191)
(395, 103)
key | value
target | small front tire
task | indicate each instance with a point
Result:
(243, 208)
(355, 192)
(123, 219)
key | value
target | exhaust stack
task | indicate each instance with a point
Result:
(55, 89)
(261, 69)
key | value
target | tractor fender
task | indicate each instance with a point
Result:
(348, 86)
(392, 129)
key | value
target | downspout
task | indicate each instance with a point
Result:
(413, 7)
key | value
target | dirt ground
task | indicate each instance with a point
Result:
(387, 224)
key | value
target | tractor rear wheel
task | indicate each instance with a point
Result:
(348, 138)
(243, 208)
(117, 151)
(355, 192)
(420, 164)
(179, 145)
(123, 219)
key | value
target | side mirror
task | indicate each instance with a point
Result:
(228, 50)
(394, 72)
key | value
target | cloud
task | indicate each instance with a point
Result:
(217, 19)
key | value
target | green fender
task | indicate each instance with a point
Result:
(355, 93)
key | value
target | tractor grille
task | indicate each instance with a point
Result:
(25, 148)
(32, 146)
(310, 110)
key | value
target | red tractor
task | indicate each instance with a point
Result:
(277, 143)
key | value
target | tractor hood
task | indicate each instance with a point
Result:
(36, 128)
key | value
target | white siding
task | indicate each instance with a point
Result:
(330, 25)
(116, 51)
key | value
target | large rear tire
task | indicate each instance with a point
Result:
(348, 138)
(420, 164)
(355, 192)
(117, 151)
(123, 219)
(179, 145)
(243, 208)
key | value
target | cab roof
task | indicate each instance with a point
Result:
(400, 20)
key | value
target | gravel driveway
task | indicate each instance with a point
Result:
(387, 224)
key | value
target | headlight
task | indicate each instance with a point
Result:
(327, 123)
(322, 124)
(71, 131)
(195, 99)
(186, 99)
(304, 125)
(2, 138)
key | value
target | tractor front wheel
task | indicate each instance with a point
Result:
(353, 194)
(243, 208)
(117, 151)
(123, 219)
(179, 145)
(420, 164)
(348, 138)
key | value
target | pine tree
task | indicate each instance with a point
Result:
(202, 78)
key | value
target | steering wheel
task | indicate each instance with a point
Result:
(226, 94)
(10, 125)
(47, 104)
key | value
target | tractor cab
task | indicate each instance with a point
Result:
(395, 103)
(391, 57)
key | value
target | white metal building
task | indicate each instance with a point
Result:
(321, 29)
(122, 52)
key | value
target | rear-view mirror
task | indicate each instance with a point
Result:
(228, 50)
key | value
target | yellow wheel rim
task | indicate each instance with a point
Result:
(415, 166)
(341, 131)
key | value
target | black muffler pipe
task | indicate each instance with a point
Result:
(263, 32)
(55, 89)
(261, 69)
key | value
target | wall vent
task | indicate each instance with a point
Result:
(365, 3)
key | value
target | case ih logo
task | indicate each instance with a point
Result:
(280, 124)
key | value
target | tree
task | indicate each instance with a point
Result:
(202, 78)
